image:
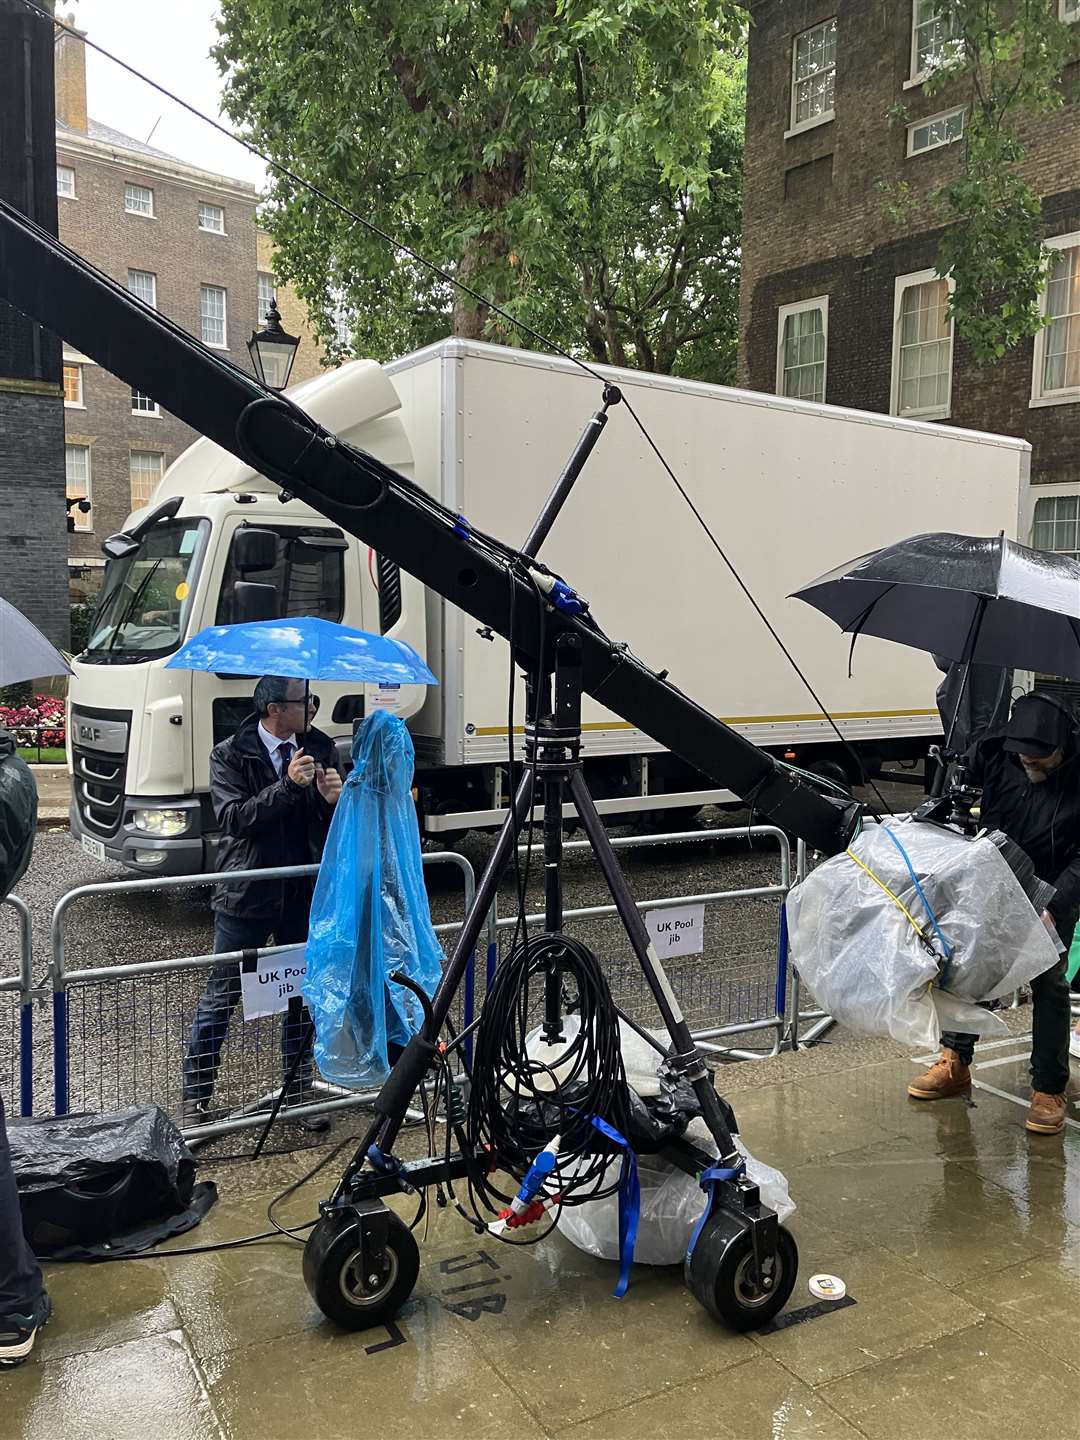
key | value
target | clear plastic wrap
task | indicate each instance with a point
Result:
(671, 1200)
(370, 914)
(671, 1205)
(859, 955)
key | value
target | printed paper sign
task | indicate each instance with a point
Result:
(272, 982)
(386, 697)
(678, 931)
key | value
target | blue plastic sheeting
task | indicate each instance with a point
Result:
(370, 914)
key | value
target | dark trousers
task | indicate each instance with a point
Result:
(1050, 1022)
(219, 999)
(20, 1279)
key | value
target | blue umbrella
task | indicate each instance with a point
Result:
(303, 649)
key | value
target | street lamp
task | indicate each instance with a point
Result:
(273, 351)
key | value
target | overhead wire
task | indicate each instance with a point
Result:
(496, 309)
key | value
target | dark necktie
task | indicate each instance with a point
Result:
(285, 753)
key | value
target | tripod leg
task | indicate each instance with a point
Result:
(412, 1065)
(553, 907)
(690, 1058)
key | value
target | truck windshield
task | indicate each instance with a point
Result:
(144, 604)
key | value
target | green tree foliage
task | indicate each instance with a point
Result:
(578, 161)
(1005, 59)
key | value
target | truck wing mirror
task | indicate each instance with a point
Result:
(254, 549)
(256, 602)
(119, 546)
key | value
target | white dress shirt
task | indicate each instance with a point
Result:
(273, 745)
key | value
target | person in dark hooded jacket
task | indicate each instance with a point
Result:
(24, 1303)
(1030, 779)
(273, 786)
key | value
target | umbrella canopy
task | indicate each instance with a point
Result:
(303, 649)
(25, 654)
(986, 601)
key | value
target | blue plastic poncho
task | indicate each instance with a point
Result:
(370, 914)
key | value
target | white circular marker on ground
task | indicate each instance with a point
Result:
(827, 1287)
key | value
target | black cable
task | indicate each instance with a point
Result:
(517, 1105)
(279, 1234)
(488, 304)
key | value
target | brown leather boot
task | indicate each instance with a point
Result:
(946, 1077)
(1046, 1114)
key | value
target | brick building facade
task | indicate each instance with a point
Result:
(839, 302)
(33, 574)
(184, 240)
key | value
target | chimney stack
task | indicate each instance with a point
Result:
(71, 78)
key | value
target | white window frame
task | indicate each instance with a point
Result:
(223, 344)
(902, 283)
(211, 229)
(260, 276)
(960, 110)
(130, 185)
(799, 307)
(1055, 397)
(917, 76)
(66, 194)
(1053, 492)
(160, 456)
(1064, 16)
(147, 414)
(152, 302)
(80, 403)
(796, 127)
(83, 521)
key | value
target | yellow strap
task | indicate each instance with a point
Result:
(892, 896)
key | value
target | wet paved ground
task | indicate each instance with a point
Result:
(957, 1234)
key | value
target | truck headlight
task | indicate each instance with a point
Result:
(161, 822)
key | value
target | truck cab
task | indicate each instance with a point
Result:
(140, 734)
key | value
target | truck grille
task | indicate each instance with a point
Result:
(99, 762)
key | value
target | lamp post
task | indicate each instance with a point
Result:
(273, 351)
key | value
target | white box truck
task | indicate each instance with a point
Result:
(789, 489)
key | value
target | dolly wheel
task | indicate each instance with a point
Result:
(355, 1295)
(722, 1274)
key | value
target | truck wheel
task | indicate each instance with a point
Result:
(833, 771)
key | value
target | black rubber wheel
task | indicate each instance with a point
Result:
(333, 1275)
(722, 1276)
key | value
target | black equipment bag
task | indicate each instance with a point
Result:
(92, 1186)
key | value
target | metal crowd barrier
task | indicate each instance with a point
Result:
(120, 1031)
(128, 1048)
(738, 985)
(17, 1016)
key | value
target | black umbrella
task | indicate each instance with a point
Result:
(25, 654)
(986, 601)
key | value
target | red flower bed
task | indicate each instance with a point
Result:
(41, 723)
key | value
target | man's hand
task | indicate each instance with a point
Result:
(1049, 921)
(329, 783)
(301, 769)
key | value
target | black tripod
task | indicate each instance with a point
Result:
(361, 1262)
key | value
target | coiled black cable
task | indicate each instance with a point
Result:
(518, 1105)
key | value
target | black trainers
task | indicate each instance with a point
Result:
(18, 1332)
